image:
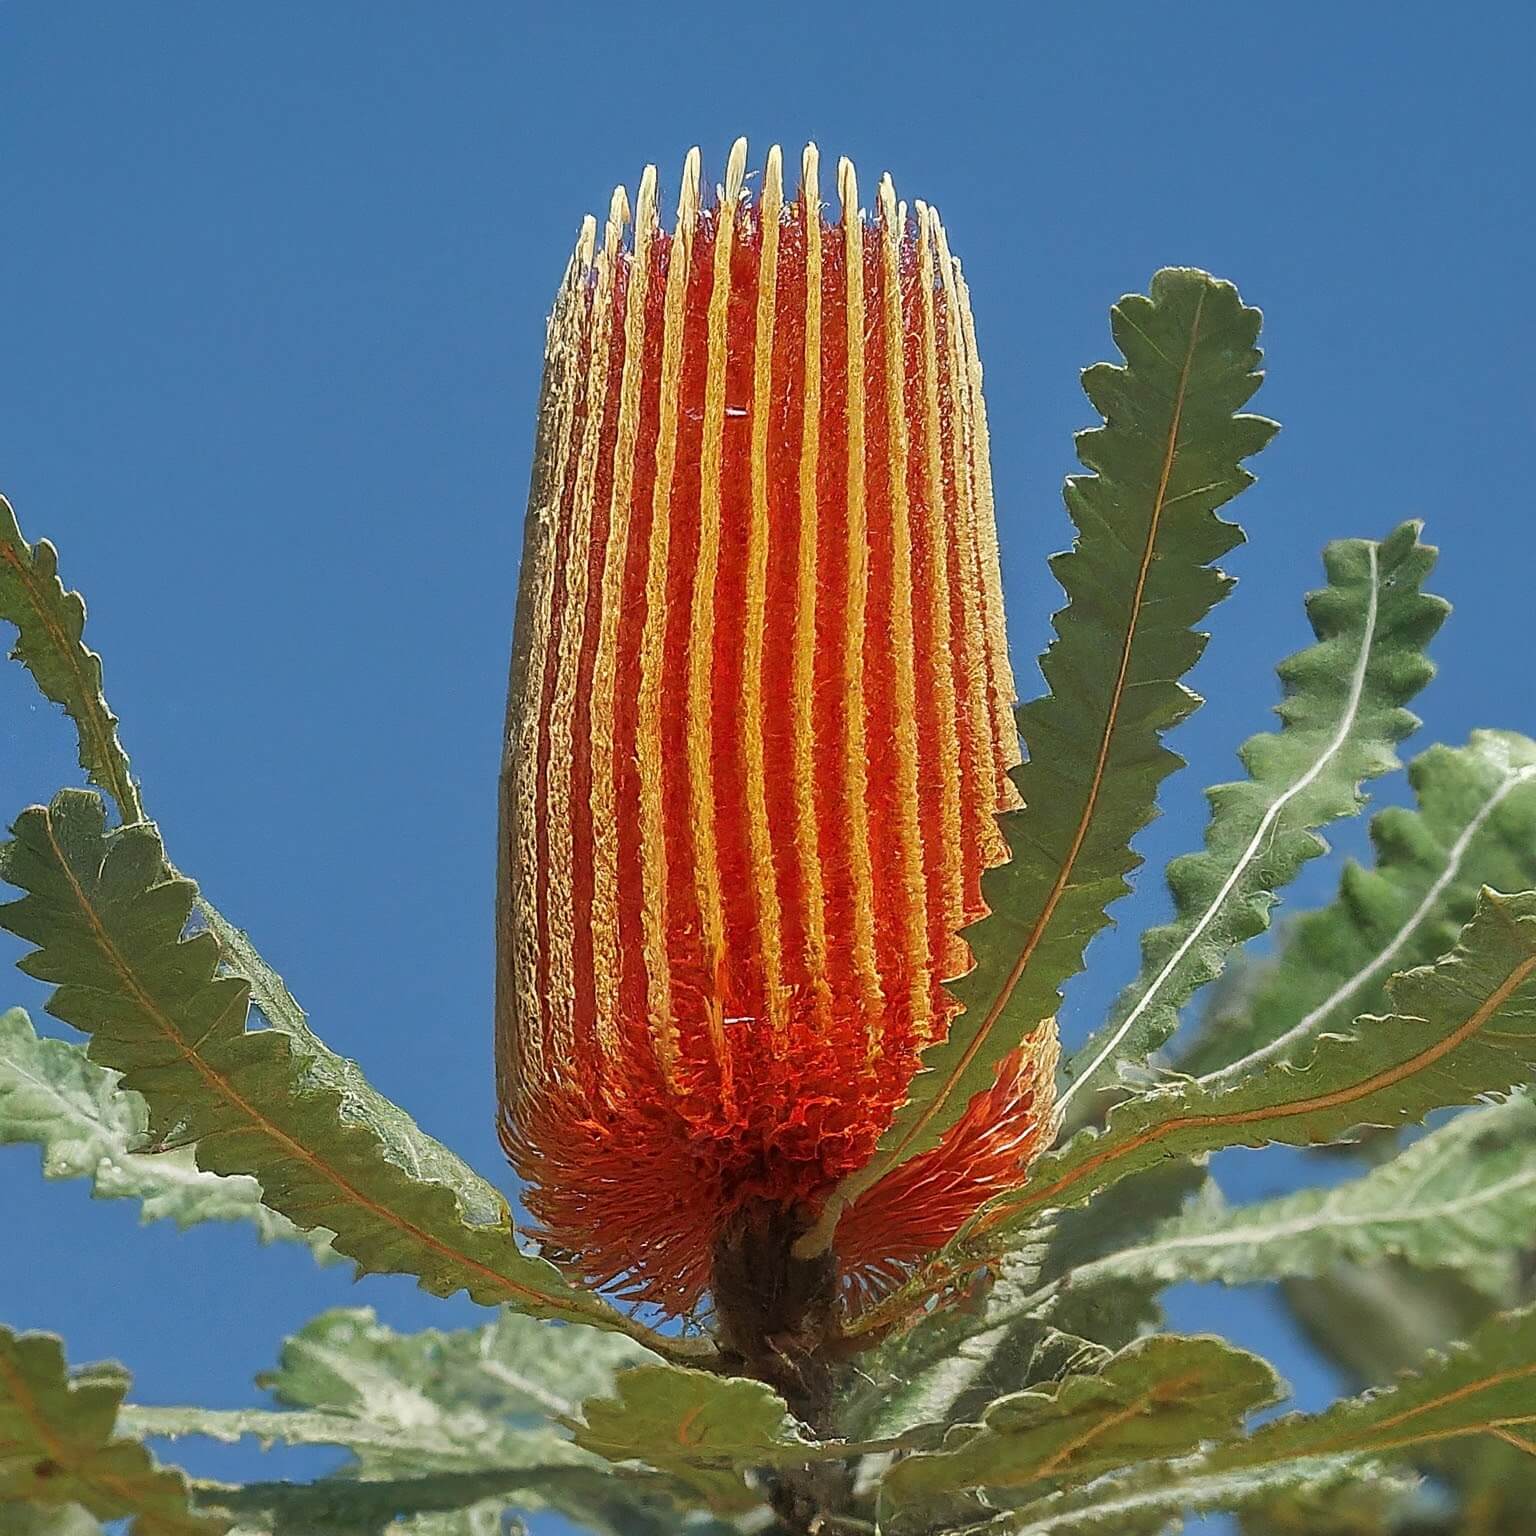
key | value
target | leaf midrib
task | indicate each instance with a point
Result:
(1317, 1221)
(1030, 1199)
(221, 1084)
(121, 786)
(1348, 719)
(1460, 1394)
(1096, 783)
(1349, 1095)
(1455, 858)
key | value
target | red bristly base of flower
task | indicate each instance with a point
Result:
(642, 1196)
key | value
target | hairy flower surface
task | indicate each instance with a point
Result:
(759, 731)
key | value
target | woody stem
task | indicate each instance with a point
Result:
(776, 1316)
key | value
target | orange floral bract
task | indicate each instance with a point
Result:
(760, 729)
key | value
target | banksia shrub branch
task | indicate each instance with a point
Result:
(789, 890)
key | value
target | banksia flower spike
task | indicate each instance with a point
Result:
(760, 727)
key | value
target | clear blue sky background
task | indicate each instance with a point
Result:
(274, 281)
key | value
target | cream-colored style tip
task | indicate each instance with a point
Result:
(618, 219)
(891, 215)
(735, 175)
(810, 178)
(773, 182)
(924, 219)
(585, 253)
(645, 206)
(848, 191)
(896, 219)
(688, 193)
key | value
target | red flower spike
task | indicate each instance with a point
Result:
(759, 731)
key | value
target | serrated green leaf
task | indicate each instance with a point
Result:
(469, 1404)
(1159, 1397)
(58, 1444)
(266, 1425)
(1375, 1321)
(50, 622)
(516, 1369)
(1164, 1490)
(107, 914)
(1464, 1028)
(690, 1417)
(401, 1140)
(1462, 1197)
(1474, 825)
(1485, 1386)
(1343, 713)
(337, 1507)
(1138, 580)
(701, 1428)
(55, 1097)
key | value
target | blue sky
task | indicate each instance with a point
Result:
(274, 286)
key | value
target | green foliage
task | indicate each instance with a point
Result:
(1377, 1321)
(58, 1445)
(50, 626)
(1463, 1028)
(1138, 580)
(107, 914)
(435, 1422)
(968, 1353)
(1158, 1397)
(1342, 714)
(1385, 1505)
(88, 1126)
(1487, 1385)
(1120, 1307)
(697, 1426)
(1474, 825)
(437, 1504)
(401, 1141)
(1149, 1497)
(345, 1361)
(1463, 1198)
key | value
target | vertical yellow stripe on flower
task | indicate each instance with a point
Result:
(855, 748)
(999, 668)
(803, 664)
(605, 673)
(561, 980)
(653, 844)
(945, 844)
(770, 940)
(701, 643)
(966, 572)
(914, 904)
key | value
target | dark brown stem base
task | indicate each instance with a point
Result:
(777, 1317)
